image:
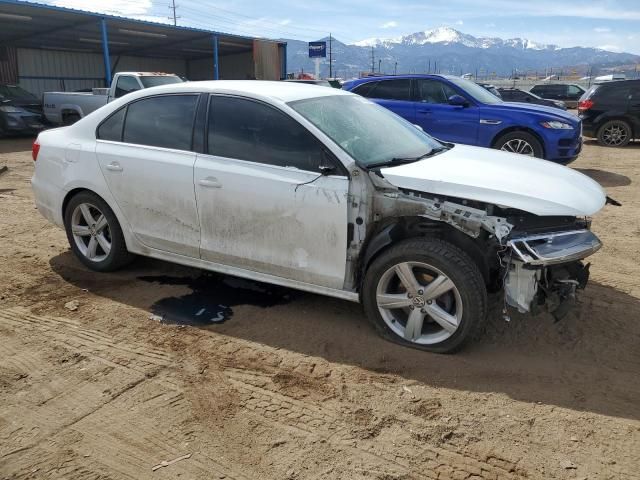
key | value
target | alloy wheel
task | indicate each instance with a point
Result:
(614, 134)
(91, 232)
(419, 303)
(517, 145)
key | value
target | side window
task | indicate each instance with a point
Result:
(126, 84)
(573, 90)
(365, 89)
(165, 121)
(247, 130)
(433, 91)
(111, 128)
(392, 90)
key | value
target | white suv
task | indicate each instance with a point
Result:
(320, 190)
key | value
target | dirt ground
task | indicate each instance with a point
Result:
(298, 386)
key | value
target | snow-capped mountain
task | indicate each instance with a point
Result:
(447, 50)
(448, 35)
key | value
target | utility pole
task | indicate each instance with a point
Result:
(373, 62)
(330, 56)
(379, 63)
(395, 68)
(173, 8)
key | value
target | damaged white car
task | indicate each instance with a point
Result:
(319, 190)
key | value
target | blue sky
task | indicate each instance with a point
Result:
(609, 24)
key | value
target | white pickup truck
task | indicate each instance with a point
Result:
(66, 108)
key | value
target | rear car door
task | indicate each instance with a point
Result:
(394, 95)
(264, 204)
(451, 123)
(145, 154)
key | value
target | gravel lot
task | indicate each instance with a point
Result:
(297, 386)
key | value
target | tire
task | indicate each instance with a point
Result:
(436, 265)
(614, 133)
(96, 241)
(526, 143)
(70, 119)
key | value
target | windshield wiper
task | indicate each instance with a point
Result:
(403, 160)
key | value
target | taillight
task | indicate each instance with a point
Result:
(585, 105)
(35, 149)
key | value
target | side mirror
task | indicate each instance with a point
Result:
(458, 101)
(326, 169)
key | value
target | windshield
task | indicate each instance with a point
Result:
(476, 91)
(13, 91)
(149, 81)
(368, 132)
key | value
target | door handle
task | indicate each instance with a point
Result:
(114, 167)
(210, 182)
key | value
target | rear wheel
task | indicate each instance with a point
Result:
(426, 294)
(520, 142)
(70, 118)
(94, 233)
(614, 133)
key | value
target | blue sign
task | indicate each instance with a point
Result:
(317, 49)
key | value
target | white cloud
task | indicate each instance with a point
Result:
(286, 21)
(122, 8)
(490, 25)
(602, 29)
(459, 22)
(391, 24)
(610, 48)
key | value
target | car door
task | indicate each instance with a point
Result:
(451, 123)
(394, 95)
(144, 151)
(263, 203)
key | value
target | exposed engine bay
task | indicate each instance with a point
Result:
(535, 259)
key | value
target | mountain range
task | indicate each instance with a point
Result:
(447, 50)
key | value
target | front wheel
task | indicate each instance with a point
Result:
(94, 233)
(520, 142)
(425, 293)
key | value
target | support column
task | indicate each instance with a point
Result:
(105, 52)
(284, 61)
(216, 69)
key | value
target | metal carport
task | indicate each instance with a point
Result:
(43, 47)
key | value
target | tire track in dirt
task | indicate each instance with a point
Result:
(112, 399)
(260, 396)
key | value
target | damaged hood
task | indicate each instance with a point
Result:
(500, 178)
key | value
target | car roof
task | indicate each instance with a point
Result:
(261, 89)
(400, 77)
(617, 82)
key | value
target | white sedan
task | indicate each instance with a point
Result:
(320, 190)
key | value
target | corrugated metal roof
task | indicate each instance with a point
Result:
(60, 28)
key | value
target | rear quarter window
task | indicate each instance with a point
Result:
(111, 128)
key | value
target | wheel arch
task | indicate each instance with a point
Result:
(132, 243)
(513, 129)
(388, 234)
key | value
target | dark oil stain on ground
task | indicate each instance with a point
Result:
(213, 297)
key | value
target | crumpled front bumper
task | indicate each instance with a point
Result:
(546, 270)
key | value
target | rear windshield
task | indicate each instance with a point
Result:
(150, 81)
(589, 93)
